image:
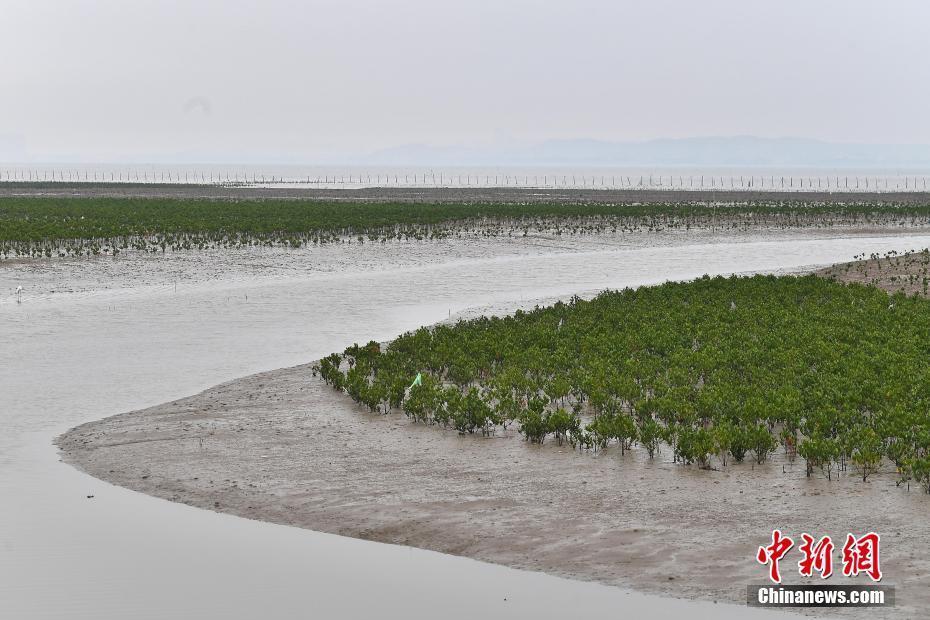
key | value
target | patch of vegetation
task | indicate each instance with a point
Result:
(50, 227)
(718, 369)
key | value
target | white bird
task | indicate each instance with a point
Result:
(19, 293)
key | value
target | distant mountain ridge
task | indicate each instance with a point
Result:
(709, 151)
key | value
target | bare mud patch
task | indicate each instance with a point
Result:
(907, 273)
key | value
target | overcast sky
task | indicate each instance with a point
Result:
(314, 81)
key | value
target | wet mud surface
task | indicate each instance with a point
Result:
(452, 194)
(282, 447)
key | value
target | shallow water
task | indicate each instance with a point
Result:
(92, 338)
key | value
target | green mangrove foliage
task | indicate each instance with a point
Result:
(718, 369)
(50, 226)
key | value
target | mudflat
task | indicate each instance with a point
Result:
(452, 194)
(280, 446)
(907, 273)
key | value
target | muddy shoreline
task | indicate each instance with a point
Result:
(451, 194)
(280, 446)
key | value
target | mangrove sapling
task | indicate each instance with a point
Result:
(844, 440)
(669, 434)
(533, 426)
(901, 453)
(694, 446)
(580, 438)
(471, 413)
(819, 452)
(423, 400)
(701, 447)
(623, 428)
(561, 423)
(558, 389)
(451, 403)
(920, 470)
(598, 434)
(761, 442)
(739, 442)
(723, 440)
(650, 435)
(867, 452)
(487, 417)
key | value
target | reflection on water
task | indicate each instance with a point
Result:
(95, 338)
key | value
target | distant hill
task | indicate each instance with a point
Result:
(710, 151)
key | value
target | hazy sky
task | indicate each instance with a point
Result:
(313, 81)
